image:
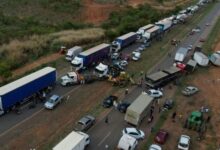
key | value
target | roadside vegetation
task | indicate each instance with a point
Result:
(132, 18)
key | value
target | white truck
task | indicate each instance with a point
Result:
(151, 33)
(215, 58)
(164, 24)
(73, 141)
(201, 59)
(72, 52)
(70, 78)
(127, 142)
(142, 30)
(138, 109)
(102, 70)
(181, 54)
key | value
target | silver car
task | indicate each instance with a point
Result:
(85, 123)
(189, 90)
(52, 102)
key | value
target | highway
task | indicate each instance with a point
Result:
(103, 134)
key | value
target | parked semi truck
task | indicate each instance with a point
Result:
(123, 41)
(73, 141)
(151, 33)
(72, 52)
(181, 54)
(143, 29)
(20, 90)
(164, 24)
(161, 78)
(91, 56)
(138, 109)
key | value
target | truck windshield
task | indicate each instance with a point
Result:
(99, 71)
(76, 65)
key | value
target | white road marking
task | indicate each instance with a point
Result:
(109, 133)
(18, 124)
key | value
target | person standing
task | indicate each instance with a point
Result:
(174, 116)
(106, 119)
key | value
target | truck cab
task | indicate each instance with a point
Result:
(72, 52)
(69, 79)
(101, 70)
(77, 63)
(115, 47)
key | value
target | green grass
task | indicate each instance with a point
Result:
(213, 38)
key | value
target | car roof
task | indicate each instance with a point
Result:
(84, 119)
(155, 147)
(184, 139)
(54, 97)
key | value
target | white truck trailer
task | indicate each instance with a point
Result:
(73, 141)
(143, 29)
(201, 59)
(138, 109)
(72, 52)
(181, 54)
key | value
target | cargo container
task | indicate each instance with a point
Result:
(20, 90)
(201, 59)
(215, 58)
(181, 54)
(72, 52)
(164, 24)
(73, 141)
(138, 109)
(123, 41)
(91, 56)
(143, 29)
(151, 33)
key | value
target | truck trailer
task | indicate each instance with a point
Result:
(181, 54)
(151, 33)
(123, 41)
(19, 91)
(138, 109)
(73, 141)
(72, 52)
(161, 78)
(143, 29)
(201, 59)
(91, 56)
(164, 24)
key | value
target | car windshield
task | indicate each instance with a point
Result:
(138, 131)
(51, 100)
(99, 71)
(76, 65)
(183, 145)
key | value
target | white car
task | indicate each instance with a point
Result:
(190, 47)
(136, 56)
(154, 93)
(52, 102)
(137, 134)
(184, 142)
(123, 63)
(155, 147)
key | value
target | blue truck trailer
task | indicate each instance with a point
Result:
(18, 91)
(123, 41)
(91, 56)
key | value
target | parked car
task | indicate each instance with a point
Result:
(155, 147)
(52, 102)
(161, 137)
(84, 123)
(155, 93)
(190, 47)
(168, 104)
(108, 102)
(115, 56)
(118, 65)
(136, 55)
(137, 134)
(123, 63)
(184, 142)
(123, 107)
(189, 90)
(202, 40)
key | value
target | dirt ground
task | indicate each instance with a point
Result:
(208, 82)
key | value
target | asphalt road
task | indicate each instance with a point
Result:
(103, 134)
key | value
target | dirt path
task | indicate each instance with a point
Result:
(35, 64)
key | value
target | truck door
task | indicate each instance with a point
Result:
(1, 107)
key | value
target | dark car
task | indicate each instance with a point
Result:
(122, 107)
(168, 104)
(161, 137)
(108, 102)
(84, 123)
